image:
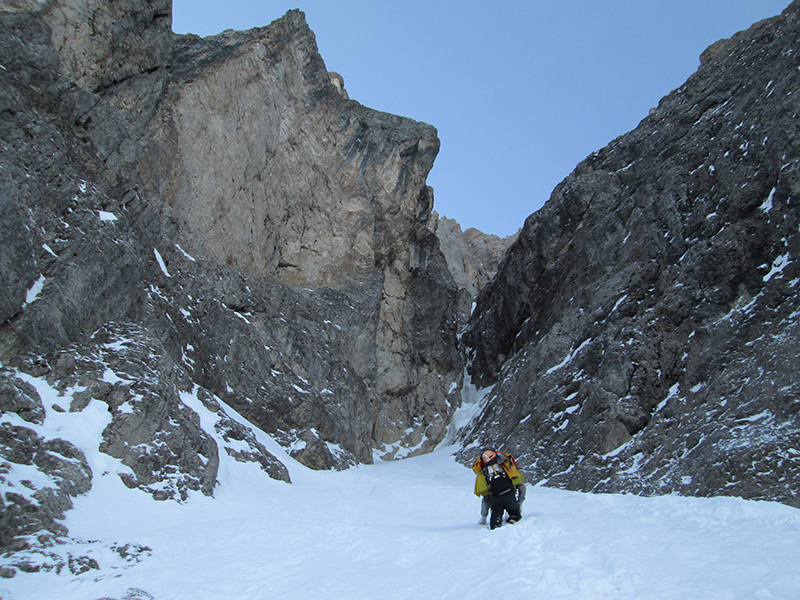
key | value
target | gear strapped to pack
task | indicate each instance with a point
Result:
(488, 459)
(499, 481)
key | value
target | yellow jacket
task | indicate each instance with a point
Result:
(482, 486)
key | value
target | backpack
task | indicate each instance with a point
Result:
(509, 466)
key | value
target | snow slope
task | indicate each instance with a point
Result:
(408, 529)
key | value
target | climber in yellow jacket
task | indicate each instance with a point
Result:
(498, 481)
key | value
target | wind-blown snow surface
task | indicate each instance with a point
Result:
(408, 529)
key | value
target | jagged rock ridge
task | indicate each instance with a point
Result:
(472, 256)
(642, 332)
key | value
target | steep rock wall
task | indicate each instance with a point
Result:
(257, 163)
(273, 172)
(210, 225)
(642, 333)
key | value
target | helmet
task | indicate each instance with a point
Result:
(488, 456)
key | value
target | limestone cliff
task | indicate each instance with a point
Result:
(208, 219)
(642, 332)
(272, 171)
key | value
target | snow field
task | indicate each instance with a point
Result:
(408, 529)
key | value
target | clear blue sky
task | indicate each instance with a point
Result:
(519, 90)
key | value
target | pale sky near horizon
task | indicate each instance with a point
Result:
(519, 91)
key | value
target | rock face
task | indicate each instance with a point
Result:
(330, 198)
(472, 256)
(642, 333)
(191, 225)
(28, 508)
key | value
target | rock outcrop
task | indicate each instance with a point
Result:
(472, 256)
(29, 508)
(642, 333)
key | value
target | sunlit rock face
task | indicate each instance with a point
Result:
(268, 167)
(642, 332)
(472, 256)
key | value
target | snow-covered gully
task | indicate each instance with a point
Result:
(408, 529)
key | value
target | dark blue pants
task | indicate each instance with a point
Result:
(501, 503)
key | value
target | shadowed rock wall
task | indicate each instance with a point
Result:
(642, 333)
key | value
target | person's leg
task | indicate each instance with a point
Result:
(521, 488)
(485, 505)
(497, 511)
(511, 506)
